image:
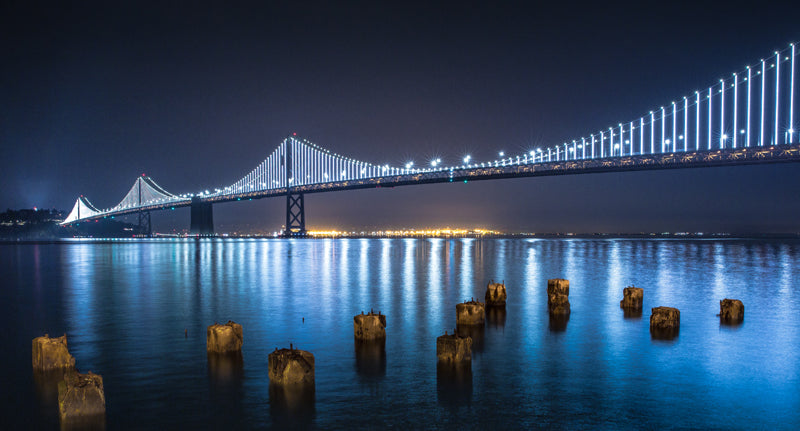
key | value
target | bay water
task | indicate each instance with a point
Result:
(136, 312)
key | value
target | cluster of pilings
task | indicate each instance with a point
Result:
(290, 370)
(286, 366)
(81, 398)
(456, 349)
(665, 322)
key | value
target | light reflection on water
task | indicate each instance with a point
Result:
(126, 307)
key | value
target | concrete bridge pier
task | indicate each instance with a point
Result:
(202, 223)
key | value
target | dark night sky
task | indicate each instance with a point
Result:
(92, 95)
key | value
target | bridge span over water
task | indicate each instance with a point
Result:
(747, 118)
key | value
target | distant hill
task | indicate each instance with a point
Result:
(43, 224)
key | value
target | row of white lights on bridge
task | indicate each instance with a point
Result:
(668, 143)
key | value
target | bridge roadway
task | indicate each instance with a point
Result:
(678, 160)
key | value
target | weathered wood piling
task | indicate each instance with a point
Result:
(495, 294)
(369, 326)
(470, 313)
(632, 298)
(81, 398)
(453, 348)
(291, 366)
(558, 296)
(51, 353)
(665, 322)
(731, 311)
(224, 338)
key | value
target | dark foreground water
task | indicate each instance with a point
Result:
(125, 305)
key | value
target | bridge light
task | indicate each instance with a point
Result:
(532, 153)
(667, 142)
(502, 153)
(724, 136)
(466, 158)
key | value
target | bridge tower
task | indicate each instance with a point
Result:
(145, 227)
(295, 203)
(202, 217)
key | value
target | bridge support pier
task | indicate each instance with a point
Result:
(295, 216)
(202, 223)
(145, 227)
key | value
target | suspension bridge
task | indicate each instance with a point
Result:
(746, 118)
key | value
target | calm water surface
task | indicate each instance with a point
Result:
(124, 307)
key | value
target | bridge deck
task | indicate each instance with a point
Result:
(679, 160)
